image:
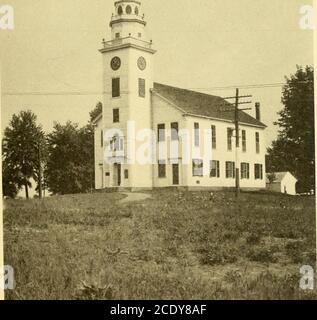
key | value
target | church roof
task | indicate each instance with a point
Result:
(201, 104)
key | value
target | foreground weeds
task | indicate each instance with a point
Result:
(175, 245)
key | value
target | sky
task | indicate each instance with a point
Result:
(201, 45)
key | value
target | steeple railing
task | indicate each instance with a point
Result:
(127, 40)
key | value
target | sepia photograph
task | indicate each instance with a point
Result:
(157, 150)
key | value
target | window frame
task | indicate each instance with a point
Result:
(196, 134)
(229, 139)
(230, 168)
(117, 143)
(116, 117)
(216, 169)
(257, 142)
(245, 171)
(200, 168)
(114, 88)
(258, 175)
(142, 89)
(244, 141)
(161, 132)
(161, 169)
(174, 131)
(213, 137)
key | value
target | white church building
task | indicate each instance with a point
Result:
(153, 135)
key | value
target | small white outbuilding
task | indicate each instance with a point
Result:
(283, 182)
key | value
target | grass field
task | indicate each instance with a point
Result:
(175, 245)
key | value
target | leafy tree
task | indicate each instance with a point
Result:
(20, 152)
(10, 188)
(39, 171)
(70, 162)
(271, 177)
(294, 149)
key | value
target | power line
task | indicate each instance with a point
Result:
(250, 86)
(87, 93)
(62, 93)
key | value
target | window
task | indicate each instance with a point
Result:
(116, 115)
(214, 169)
(117, 35)
(126, 174)
(196, 129)
(162, 169)
(120, 11)
(258, 171)
(244, 141)
(140, 35)
(101, 138)
(161, 132)
(136, 10)
(229, 138)
(257, 142)
(213, 137)
(198, 166)
(230, 169)
(174, 129)
(245, 170)
(115, 87)
(128, 10)
(141, 87)
(117, 143)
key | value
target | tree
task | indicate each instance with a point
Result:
(41, 149)
(10, 188)
(271, 177)
(70, 159)
(294, 149)
(20, 160)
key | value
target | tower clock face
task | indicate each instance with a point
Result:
(141, 63)
(115, 63)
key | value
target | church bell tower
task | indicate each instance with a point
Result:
(127, 81)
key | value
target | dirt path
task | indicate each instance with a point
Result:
(133, 197)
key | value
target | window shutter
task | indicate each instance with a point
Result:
(161, 132)
(115, 87)
(174, 128)
(142, 88)
(196, 129)
(213, 137)
(116, 116)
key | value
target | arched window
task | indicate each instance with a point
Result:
(136, 10)
(128, 10)
(120, 11)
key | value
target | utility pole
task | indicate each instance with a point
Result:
(236, 122)
(40, 170)
(235, 108)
